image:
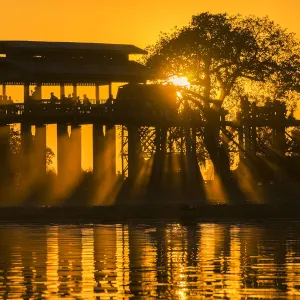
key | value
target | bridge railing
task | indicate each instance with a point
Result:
(50, 107)
(119, 113)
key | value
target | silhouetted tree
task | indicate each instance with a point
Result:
(15, 148)
(215, 51)
(220, 54)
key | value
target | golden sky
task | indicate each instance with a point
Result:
(121, 21)
(124, 21)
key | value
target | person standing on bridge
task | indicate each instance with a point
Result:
(109, 102)
(85, 100)
(53, 98)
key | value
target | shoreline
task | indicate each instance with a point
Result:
(155, 212)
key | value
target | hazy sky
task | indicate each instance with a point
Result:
(124, 21)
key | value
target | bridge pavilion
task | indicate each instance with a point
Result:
(62, 64)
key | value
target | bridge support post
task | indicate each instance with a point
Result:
(62, 149)
(38, 92)
(104, 164)
(3, 89)
(62, 90)
(26, 140)
(279, 142)
(159, 160)
(26, 158)
(98, 151)
(40, 151)
(188, 160)
(75, 91)
(133, 153)
(110, 142)
(253, 130)
(109, 89)
(68, 160)
(26, 92)
(241, 147)
(4, 154)
(97, 94)
(193, 179)
(193, 164)
(75, 139)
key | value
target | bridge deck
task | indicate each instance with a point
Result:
(48, 113)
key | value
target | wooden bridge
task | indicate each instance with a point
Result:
(144, 134)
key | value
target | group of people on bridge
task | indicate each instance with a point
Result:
(5, 100)
(72, 99)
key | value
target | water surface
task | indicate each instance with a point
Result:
(150, 261)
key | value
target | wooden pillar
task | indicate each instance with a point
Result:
(98, 151)
(253, 130)
(62, 149)
(62, 90)
(40, 150)
(279, 144)
(110, 89)
(26, 153)
(159, 158)
(247, 128)
(26, 138)
(224, 150)
(188, 151)
(97, 94)
(133, 153)
(3, 89)
(39, 91)
(76, 149)
(4, 153)
(68, 159)
(241, 137)
(75, 91)
(26, 92)
(193, 157)
(110, 141)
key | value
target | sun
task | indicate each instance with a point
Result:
(179, 81)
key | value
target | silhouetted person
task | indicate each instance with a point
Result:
(53, 98)
(10, 101)
(86, 100)
(110, 100)
(64, 99)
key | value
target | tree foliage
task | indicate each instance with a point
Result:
(15, 148)
(220, 53)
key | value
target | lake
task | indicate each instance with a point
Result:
(150, 261)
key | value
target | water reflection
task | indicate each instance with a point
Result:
(150, 261)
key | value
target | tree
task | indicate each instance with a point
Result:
(217, 51)
(15, 148)
(221, 55)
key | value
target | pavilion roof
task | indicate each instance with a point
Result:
(71, 71)
(13, 46)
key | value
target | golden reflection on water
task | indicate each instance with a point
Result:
(52, 261)
(150, 261)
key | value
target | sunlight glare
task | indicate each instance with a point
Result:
(179, 81)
